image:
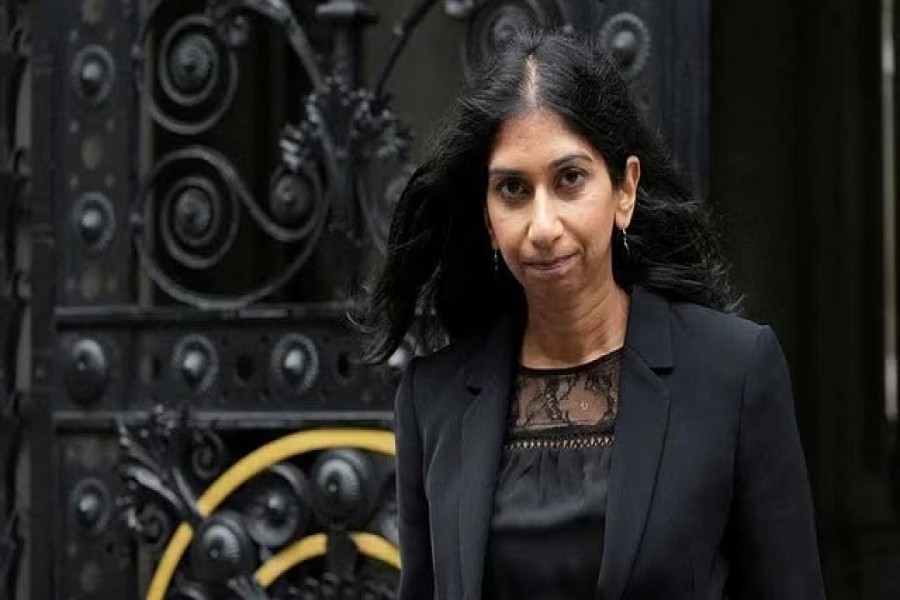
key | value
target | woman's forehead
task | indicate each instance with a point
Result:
(536, 137)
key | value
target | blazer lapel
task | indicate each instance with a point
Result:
(640, 433)
(483, 428)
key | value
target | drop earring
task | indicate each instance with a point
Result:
(625, 242)
(496, 261)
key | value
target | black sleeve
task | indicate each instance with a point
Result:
(772, 531)
(416, 574)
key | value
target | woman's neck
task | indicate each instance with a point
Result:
(575, 330)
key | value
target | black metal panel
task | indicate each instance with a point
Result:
(213, 184)
(95, 556)
(96, 111)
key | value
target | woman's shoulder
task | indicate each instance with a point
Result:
(450, 358)
(715, 320)
(722, 348)
(688, 319)
(714, 332)
(433, 383)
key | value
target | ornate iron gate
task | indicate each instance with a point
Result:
(210, 183)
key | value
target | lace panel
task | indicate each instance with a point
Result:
(576, 406)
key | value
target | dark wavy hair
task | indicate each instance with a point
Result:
(439, 258)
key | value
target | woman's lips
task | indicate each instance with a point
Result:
(549, 266)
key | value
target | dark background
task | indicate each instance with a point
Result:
(796, 174)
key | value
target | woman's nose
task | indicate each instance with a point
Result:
(545, 226)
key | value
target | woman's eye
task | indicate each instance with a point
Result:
(511, 188)
(571, 178)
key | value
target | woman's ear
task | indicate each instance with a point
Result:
(628, 192)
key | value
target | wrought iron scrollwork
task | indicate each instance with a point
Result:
(194, 199)
(152, 524)
(207, 453)
(627, 39)
(196, 69)
(160, 493)
(331, 585)
(341, 165)
(244, 543)
(154, 448)
(230, 17)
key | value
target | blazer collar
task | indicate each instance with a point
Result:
(483, 428)
(640, 431)
(499, 349)
(649, 332)
(641, 424)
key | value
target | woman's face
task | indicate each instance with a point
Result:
(551, 206)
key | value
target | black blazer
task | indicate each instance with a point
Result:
(709, 495)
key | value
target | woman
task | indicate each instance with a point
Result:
(598, 425)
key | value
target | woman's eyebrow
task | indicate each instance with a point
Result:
(571, 158)
(509, 172)
(504, 172)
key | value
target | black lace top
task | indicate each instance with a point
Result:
(546, 538)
